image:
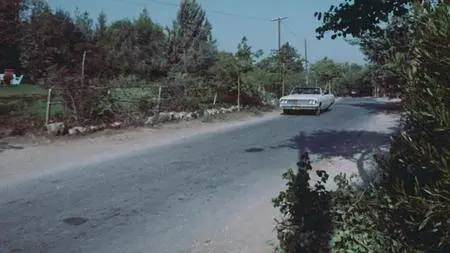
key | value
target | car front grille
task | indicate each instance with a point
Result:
(298, 102)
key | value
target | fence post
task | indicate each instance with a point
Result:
(49, 104)
(239, 93)
(158, 105)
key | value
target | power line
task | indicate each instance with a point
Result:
(291, 31)
(278, 20)
(143, 3)
(306, 53)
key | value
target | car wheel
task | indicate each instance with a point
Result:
(285, 111)
(330, 107)
(318, 110)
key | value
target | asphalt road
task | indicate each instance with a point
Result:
(162, 199)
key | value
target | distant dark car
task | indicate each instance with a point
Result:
(354, 93)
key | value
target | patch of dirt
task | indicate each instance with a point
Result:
(39, 155)
(247, 223)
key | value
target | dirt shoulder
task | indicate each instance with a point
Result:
(32, 156)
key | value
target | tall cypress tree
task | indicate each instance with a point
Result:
(191, 48)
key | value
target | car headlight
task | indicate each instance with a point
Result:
(312, 102)
(283, 101)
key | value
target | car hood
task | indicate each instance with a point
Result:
(301, 96)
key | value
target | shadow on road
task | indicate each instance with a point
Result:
(336, 143)
(374, 108)
(346, 144)
(4, 145)
(307, 112)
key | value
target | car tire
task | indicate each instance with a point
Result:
(330, 107)
(286, 111)
(318, 111)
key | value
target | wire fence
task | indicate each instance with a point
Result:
(96, 104)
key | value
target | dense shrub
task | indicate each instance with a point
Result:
(306, 222)
(418, 176)
(408, 210)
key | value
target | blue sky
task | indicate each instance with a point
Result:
(231, 19)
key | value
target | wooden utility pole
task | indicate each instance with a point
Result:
(279, 19)
(82, 68)
(306, 63)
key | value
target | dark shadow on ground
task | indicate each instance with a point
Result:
(306, 112)
(374, 108)
(4, 145)
(340, 143)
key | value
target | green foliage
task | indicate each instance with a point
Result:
(291, 59)
(134, 47)
(191, 48)
(407, 210)
(419, 174)
(341, 76)
(25, 103)
(133, 98)
(226, 71)
(306, 222)
(325, 71)
(358, 18)
(359, 220)
(245, 56)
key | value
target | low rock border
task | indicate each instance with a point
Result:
(60, 128)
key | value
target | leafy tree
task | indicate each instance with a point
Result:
(246, 59)
(52, 53)
(245, 56)
(291, 59)
(84, 23)
(101, 26)
(418, 175)
(225, 71)
(191, 48)
(381, 49)
(292, 69)
(53, 41)
(269, 63)
(136, 47)
(10, 12)
(360, 17)
(325, 71)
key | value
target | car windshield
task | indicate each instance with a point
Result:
(309, 91)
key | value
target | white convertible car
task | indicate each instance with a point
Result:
(307, 99)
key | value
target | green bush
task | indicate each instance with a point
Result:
(306, 222)
(418, 176)
(408, 210)
(129, 98)
(349, 219)
(359, 218)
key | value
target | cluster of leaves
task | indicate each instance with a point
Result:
(349, 219)
(361, 17)
(407, 209)
(359, 218)
(342, 77)
(380, 28)
(419, 171)
(304, 227)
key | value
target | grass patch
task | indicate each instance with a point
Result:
(25, 103)
(22, 90)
